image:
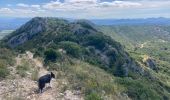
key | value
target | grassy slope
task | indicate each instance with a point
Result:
(94, 80)
(95, 84)
(155, 45)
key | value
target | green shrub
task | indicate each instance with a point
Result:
(100, 41)
(66, 36)
(72, 48)
(85, 25)
(39, 52)
(96, 41)
(21, 70)
(120, 71)
(7, 56)
(51, 55)
(3, 70)
(34, 75)
(93, 96)
(140, 89)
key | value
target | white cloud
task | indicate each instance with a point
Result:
(52, 5)
(81, 1)
(99, 9)
(35, 6)
(28, 6)
(29, 10)
(5, 10)
(25, 11)
(120, 4)
(92, 9)
(22, 5)
(87, 4)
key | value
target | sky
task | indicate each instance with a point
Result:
(86, 9)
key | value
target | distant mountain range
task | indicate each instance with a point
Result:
(14, 23)
(148, 21)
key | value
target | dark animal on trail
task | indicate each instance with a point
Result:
(45, 79)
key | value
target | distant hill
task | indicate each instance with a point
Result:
(81, 35)
(14, 23)
(147, 21)
(138, 33)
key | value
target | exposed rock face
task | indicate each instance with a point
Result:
(34, 27)
(27, 32)
(83, 27)
(149, 62)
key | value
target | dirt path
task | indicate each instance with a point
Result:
(37, 63)
(27, 89)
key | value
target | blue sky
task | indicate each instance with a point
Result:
(88, 9)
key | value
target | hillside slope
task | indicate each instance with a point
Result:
(148, 44)
(88, 64)
(138, 33)
(80, 39)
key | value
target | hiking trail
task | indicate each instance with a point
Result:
(16, 87)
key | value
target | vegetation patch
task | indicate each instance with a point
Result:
(34, 75)
(93, 96)
(90, 80)
(72, 48)
(6, 60)
(3, 70)
(23, 68)
(51, 55)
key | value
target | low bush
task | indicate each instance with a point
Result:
(34, 75)
(7, 56)
(93, 96)
(72, 48)
(21, 70)
(140, 89)
(51, 55)
(3, 70)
